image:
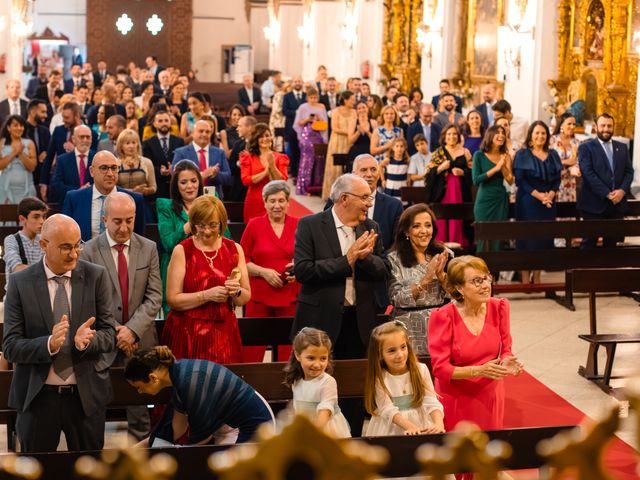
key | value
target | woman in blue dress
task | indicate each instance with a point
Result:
(207, 397)
(537, 171)
(17, 161)
(387, 131)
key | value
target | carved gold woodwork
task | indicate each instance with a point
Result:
(300, 451)
(466, 449)
(580, 449)
(400, 50)
(13, 467)
(127, 463)
(611, 81)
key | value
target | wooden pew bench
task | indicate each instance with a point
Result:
(604, 280)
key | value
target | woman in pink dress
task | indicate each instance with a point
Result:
(470, 346)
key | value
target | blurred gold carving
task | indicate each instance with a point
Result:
(467, 448)
(14, 467)
(127, 463)
(400, 50)
(303, 451)
(580, 449)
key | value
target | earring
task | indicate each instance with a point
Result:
(407, 237)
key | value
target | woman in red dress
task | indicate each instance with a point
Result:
(258, 166)
(470, 346)
(268, 245)
(203, 289)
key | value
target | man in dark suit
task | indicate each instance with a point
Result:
(109, 97)
(13, 104)
(135, 288)
(290, 103)
(58, 320)
(75, 81)
(606, 178)
(47, 91)
(154, 67)
(86, 205)
(426, 127)
(36, 82)
(160, 150)
(445, 87)
(330, 99)
(249, 96)
(488, 99)
(100, 74)
(405, 112)
(72, 169)
(38, 133)
(211, 160)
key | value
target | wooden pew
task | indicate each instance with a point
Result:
(235, 211)
(8, 212)
(236, 229)
(594, 281)
(192, 461)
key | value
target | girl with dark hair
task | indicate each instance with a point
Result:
(17, 161)
(258, 166)
(537, 170)
(449, 181)
(176, 101)
(418, 276)
(416, 98)
(564, 142)
(229, 136)
(473, 131)
(491, 168)
(315, 392)
(100, 127)
(197, 108)
(206, 398)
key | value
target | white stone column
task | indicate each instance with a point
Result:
(11, 43)
(438, 50)
(635, 185)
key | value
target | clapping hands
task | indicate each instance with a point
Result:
(362, 247)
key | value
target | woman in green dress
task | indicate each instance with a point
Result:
(491, 169)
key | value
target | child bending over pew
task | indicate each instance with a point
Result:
(398, 391)
(315, 392)
(207, 397)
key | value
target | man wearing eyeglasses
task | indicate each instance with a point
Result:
(72, 169)
(58, 321)
(86, 205)
(135, 287)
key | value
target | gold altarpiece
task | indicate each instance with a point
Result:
(597, 61)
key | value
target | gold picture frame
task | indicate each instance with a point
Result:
(483, 19)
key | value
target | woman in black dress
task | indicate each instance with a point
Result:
(360, 138)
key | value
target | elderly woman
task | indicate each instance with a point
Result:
(258, 166)
(470, 347)
(417, 273)
(207, 278)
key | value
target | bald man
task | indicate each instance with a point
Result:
(73, 169)
(13, 104)
(135, 288)
(57, 324)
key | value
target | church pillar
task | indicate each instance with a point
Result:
(439, 36)
(14, 27)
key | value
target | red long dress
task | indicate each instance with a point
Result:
(250, 165)
(210, 331)
(451, 344)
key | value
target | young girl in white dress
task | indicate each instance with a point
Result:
(399, 392)
(315, 392)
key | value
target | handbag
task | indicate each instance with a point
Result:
(319, 125)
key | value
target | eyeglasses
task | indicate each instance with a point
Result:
(106, 168)
(478, 281)
(363, 198)
(65, 248)
(210, 226)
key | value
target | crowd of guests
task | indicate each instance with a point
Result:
(334, 271)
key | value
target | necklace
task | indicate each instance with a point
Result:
(208, 258)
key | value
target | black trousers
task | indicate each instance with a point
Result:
(294, 154)
(348, 346)
(50, 413)
(607, 242)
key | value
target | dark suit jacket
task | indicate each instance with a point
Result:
(243, 98)
(436, 99)
(5, 109)
(289, 107)
(56, 148)
(484, 113)
(28, 322)
(152, 149)
(322, 270)
(324, 99)
(598, 180)
(77, 205)
(416, 128)
(32, 87)
(92, 114)
(145, 286)
(216, 157)
(97, 80)
(66, 177)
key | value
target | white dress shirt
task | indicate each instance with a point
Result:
(346, 237)
(114, 252)
(197, 149)
(96, 206)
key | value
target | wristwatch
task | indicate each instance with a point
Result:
(239, 292)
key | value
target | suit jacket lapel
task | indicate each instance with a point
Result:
(44, 301)
(107, 259)
(331, 233)
(77, 294)
(134, 254)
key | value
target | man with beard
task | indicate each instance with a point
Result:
(449, 115)
(38, 133)
(159, 149)
(606, 178)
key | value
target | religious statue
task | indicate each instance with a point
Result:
(596, 48)
(575, 101)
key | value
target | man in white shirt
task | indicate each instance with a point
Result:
(13, 104)
(268, 88)
(249, 96)
(518, 125)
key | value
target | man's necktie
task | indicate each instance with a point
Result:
(123, 280)
(15, 109)
(202, 160)
(82, 168)
(62, 363)
(350, 291)
(165, 147)
(608, 150)
(102, 199)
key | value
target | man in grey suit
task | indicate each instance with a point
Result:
(115, 125)
(135, 287)
(57, 324)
